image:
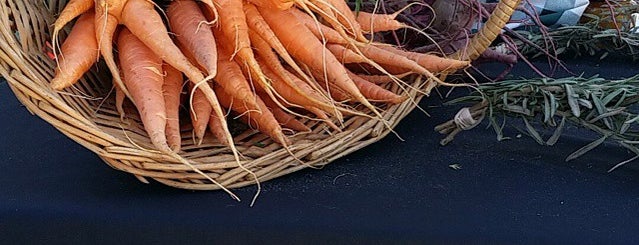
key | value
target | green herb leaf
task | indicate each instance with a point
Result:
(586, 148)
(533, 132)
(555, 136)
(602, 110)
(572, 101)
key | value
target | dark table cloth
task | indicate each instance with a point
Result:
(511, 192)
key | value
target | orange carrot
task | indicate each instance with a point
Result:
(188, 23)
(78, 53)
(200, 114)
(387, 69)
(73, 9)
(262, 120)
(384, 57)
(322, 115)
(431, 62)
(288, 93)
(144, 22)
(269, 60)
(233, 29)
(172, 89)
(142, 71)
(257, 25)
(285, 119)
(119, 101)
(209, 7)
(140, 17)
(318, 29)
(347, 18)
(119, 98)
(374, 92)
(378, 22)
(303, 45)
(230, 78)
(309, 91)
(345, 55)
(343, 15)
(106, 25)
(381, 79)
(275, 4)
(375, 22)
(217, 128)
(332, 90)
(326, 12)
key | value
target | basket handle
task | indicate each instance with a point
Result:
(497, 20)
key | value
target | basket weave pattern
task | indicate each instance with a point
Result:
(86, 113)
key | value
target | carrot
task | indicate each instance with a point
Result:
(431, 62)
(233, 29)
(119, 102)
(119, 97)
(73, 9)
(347, 18)
(303, 45)
(326, 12)
(320, 31)
(78, 53)
(374, 92)
(172, 89)
(370, 90)
(257, 25)
(141, 19)
(210, 8)
(285, 119)
(332, 90)
(290, 94)
(322, 115)
(200, 114)
(290, 86)
(345, 55)
(381, 79)
(331, 36)
(106, 25)
(275, 4)
(230, 78)
(310, 92)
(142, 71)
(189, 25)
(384, 57)
(378, 22)
(217, 128)
(262, 120)
(375, 22)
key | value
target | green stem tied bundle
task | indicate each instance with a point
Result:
(594, 36)
(597, 104)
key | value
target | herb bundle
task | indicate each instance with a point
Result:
(597, 104)
(598, 34)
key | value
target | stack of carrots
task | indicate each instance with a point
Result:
(270, 61)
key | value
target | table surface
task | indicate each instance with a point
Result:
(392, 191)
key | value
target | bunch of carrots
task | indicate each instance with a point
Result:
(269, 61)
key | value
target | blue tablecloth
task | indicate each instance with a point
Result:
(54, 190)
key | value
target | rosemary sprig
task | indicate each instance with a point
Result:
(591, 37)
(600, 105)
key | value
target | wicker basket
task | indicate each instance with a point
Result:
(82, 114)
